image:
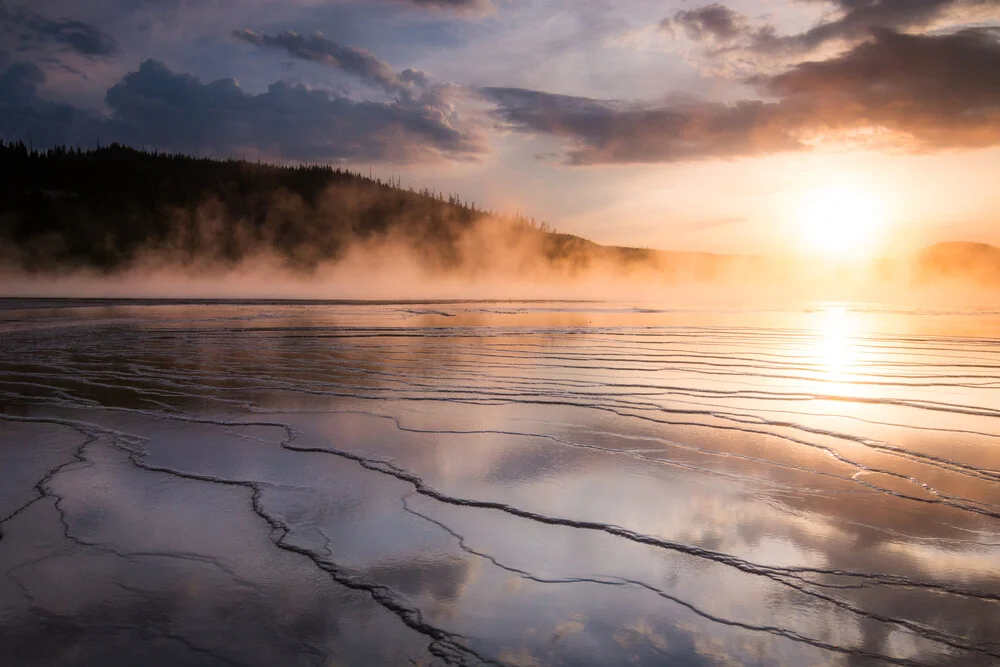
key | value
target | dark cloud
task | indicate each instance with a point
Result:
(414, 76)
(360, 62)
(33, 29)
(849, 21)
(24, 115)
(935, 92)
(604, 131)
(473, 6)
(18, 82)
(855, 18)
(714, 22)
(942, 90)
(157, 107)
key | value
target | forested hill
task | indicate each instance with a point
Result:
(112, 207)
(102, 207)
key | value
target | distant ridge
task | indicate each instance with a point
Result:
(960, 259)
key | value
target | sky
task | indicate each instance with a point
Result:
(737, 126)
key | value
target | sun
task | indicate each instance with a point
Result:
(841, 221)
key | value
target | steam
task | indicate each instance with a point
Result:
(366, 240)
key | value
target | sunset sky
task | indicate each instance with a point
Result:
(741, 126)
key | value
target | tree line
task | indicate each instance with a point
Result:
(106, 207)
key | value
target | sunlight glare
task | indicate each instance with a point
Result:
(835, 344)
(841, 221)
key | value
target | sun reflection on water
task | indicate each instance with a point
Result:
(835, 347)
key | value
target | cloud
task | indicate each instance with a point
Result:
(360, 62)
(848, 21)
(33, 29)
(18, 82)
(932, 91)
(942, 90)
(26, 116)
(414, 76)
(154, 106)
(462, 6)
(714, 22)
(605, 131)
(855, 18)
(414, 94)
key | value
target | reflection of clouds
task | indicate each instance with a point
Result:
(519, 657)
(442, 579)
(711, 499)
(173, 562)
(552, 553)
(175, 607)
(818, 529)
(977, 566)
(570, 627)
(150, 598)
(781, 527)
(628, 634)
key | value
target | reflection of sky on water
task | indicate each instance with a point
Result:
(820, 491)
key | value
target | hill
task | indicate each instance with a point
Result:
(978, 262)
(111, 208)
(105, 208)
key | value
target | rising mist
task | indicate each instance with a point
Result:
(121, 222)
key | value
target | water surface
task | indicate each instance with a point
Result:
(497, 483)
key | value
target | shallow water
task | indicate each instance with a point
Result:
(500, 483)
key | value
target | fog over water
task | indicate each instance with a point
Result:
(498, 482)
(117, 222)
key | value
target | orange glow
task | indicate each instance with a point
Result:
(840, 221)
(836, 347)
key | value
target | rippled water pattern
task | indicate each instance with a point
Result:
(497, 483)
